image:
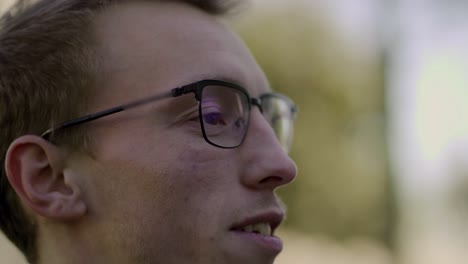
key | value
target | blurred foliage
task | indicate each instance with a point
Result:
(343, 189)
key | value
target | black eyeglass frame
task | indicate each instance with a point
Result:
(196, 88)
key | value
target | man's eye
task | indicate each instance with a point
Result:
(214, 118)
(240, 123)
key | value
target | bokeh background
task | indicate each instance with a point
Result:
(382, 133)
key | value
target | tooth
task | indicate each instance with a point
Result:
(268, 230)
(263, 228)
(260, 228)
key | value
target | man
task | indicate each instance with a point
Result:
(105, 162)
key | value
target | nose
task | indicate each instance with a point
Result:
(266, 164)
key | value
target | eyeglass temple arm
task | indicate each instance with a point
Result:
(110, 111)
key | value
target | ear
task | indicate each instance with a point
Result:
(36, 170)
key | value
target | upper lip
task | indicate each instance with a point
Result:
(274, 218)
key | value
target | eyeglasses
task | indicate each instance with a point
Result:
(224, 112)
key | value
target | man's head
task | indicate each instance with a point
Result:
(143, 185)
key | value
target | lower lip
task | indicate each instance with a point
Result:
(270, 243)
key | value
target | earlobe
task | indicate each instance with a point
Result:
(36, 170)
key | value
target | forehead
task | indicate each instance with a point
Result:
(154, 46)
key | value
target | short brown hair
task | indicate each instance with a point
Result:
(47, 69)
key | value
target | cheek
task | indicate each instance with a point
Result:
(202, 180)
(181, 198)
(207, 174)
(198, 201)
(170, 197)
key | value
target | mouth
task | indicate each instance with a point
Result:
(260, 230)
(262, 224)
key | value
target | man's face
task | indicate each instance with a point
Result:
(157, 192)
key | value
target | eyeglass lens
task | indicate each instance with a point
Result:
(225, 113)
(278, 113)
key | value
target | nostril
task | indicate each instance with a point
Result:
(272, 179)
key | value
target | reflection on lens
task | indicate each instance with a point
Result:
(280, 111)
